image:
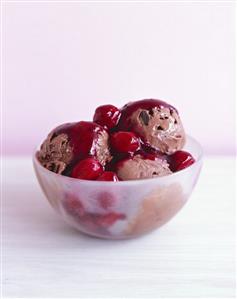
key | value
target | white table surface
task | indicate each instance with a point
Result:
(191, 256)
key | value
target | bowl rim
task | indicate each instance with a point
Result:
(198, 160)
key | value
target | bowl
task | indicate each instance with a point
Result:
(124, 209)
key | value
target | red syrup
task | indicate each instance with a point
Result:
(130, 108)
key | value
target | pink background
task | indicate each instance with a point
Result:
(62, 60)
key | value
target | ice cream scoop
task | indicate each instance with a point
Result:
(140, 167)
(72, 142)
(157, 123)
(144, 138)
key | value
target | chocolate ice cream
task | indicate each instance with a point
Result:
(156, 122)
(157, 208)
(72, 142)
(144, 138)
(55, 152)
(139, 167)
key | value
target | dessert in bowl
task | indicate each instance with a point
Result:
(123, 175)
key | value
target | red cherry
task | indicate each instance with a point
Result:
(107, 115)
(73, 206)
(124, 142)
(92, 221)
(88, 169)
(108, 176)
(106, 200)
(180, 160)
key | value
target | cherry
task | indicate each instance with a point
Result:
(73, 206)
(108, 176)
(180, 160)
(87, 169)
(124, 142)
(107, 115)
(92, 221)
(106, 200)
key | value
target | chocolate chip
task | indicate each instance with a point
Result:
(151, 112)
(144, 117)
(160, 128)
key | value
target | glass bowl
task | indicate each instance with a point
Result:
(120, 210)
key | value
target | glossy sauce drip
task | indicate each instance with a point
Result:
(130, 108)
(82, 138)
(145, 152)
